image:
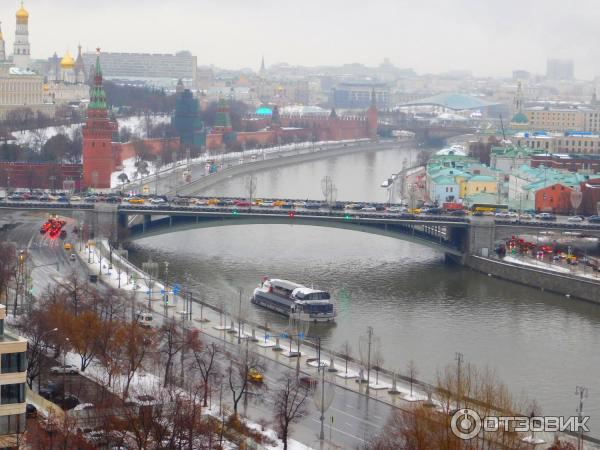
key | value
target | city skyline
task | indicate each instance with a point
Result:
(409, 34)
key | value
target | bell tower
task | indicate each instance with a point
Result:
(21, 53)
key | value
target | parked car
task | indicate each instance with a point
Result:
(369, 209)
(575, 219)
(73, 257)
(66, 368)
(594, 219)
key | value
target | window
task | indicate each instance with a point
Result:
(13, 362)
(12, 424)
(12, 393)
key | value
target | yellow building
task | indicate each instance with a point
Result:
(556, 119)
(478, 184)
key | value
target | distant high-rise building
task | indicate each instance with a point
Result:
(560, 69)
(359, 95)
(21, 53)
(153, 69)
(2, 47)
(519, 75)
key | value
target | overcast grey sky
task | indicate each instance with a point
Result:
(490, 37)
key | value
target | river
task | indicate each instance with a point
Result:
(540, 344)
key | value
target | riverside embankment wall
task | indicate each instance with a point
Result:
(538, 278)
(197, 186)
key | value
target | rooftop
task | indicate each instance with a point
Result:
(456, 102)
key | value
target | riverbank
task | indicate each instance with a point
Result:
(538, 277)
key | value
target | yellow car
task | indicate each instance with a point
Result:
(135, 200)
(255, 375)
(257, 202)
(213, 201)
(67, 246)
(278, 203)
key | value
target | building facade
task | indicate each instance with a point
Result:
(154, 68)
(360, 95)
(13, 372)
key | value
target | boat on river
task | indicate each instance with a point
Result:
(287, 298)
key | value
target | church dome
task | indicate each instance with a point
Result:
(67, 62)
(520, 118)
(22, 13)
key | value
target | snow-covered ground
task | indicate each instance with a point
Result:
(36, 138)
(530, 262)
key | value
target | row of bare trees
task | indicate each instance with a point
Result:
(100, 327)
(427, 426)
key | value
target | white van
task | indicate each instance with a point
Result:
(144, 319)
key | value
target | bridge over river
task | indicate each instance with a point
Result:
(458, 237)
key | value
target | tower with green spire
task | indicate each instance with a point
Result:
(98, 157)
(223, 120)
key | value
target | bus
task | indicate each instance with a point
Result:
(488, 207)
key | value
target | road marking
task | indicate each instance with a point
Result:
(340, 431)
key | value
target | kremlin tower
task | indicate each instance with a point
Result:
(21, 54)
(98, 158)
(372, 118)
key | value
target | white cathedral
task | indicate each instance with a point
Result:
(22, 86)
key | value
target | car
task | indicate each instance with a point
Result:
(49, 391)
(525, 216)
(575, 219)
(213, 201)
(308, 382)
(158, 201)
(394, 209)
(369, 209)
(458, 212)
(546, 216)
(63, 234)
(254, 375)
(75, 198)
(594, 219)
(312, 205)
(30, 410)
(83, 406)
(144, 319)
(67, 246)
(66, 369)
(299, 204)
(278, 203)
(73, 257)
(135, 200)
(63, 200)
(267, 204)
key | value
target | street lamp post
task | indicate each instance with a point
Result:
(40, 369)
(240, 319)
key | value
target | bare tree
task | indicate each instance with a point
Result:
(204, 359)
(171, 345)
(238, 376)
(290, 404)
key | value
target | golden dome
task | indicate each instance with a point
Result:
(22, 13)
(46, 88)
(67, 61)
